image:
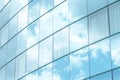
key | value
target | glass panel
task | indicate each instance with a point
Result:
(61, 16)
(2, 74)
(77, 9)
(6, 1)
(61, 43)
(22, 18)
(114, 17)
(1, 4)
(116, 74)
(61, 69)
(21, 38)
(32, 59)
(12, 30)
(3, 52)
(100, 56)
(10, 71)
(105, 76)
(46, 73)
(98, 25)
(46, 25)
(32, 76)
(4, 35)
(78, 34)
(111, 1)
(46, 5)
(20, 65)
(12, 49)
(79, 65)
(56, 2)
(115, 50)
(33, 34)
(45, 50)
(34, 10)
(94, 5)
(22, 3)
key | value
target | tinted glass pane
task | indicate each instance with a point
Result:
(46, 73)
(32, 76)
(61, 43)
(32, 59)
(77, 9)
(78, 34)
(114, 17)
(116, 74)
(1, 4)
(2, 74)
(94, 5)
(22, 3)
(79, 65)
(115, 50)
(98, 25)
(20, 65)
(100, 57)
(61, 16)
(105, 76)
(56, 2)
(110, 1)
(61, 69)
(45, 51)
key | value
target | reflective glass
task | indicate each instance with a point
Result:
(46, 25)
(45, 51)
(12, 49)
(21, 38)
(46, 73)
(77, 9)
(20, 66)
(2, 74)
(32, 76)
(32, 59)
(100, 57)
(23, 18)
(111, 1)
(61, 69)
(1, 4)
(105, 76)
(34, 10)
(22, 3)
(116, 74)
(114, 17)
(79, 65)
(98, 25)
(46, 5)
(33, 33)
(10, 71)
(6, 1)
(94, 5)
(78, 34)
(61, 18)
(61, 43)
(115, 50)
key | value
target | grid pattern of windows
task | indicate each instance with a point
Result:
(59, 40)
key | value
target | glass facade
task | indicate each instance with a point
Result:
(59, 40)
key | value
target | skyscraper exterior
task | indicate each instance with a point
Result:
(59, 39)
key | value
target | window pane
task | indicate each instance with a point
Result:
(61, 69)
(22, 3)
(21, 38)
(2, 74)
(61, 16)
(78, 34)
(110, 1)
(20, 65)
(46, 5)
(61, 43)
(32, 59)
(34, 10)
(46, 25)
(105, 76)
(1, 4)
(32, 76)
(46, 73)
(56, 2)
(79, 65)
(10, 71)
(115, 50)
(45, 49)
(94, 5)
(33, 33)
(116, 74)
(114, 17)
(100, 56)
(98, 25)
(11, 49)
(77, 9)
